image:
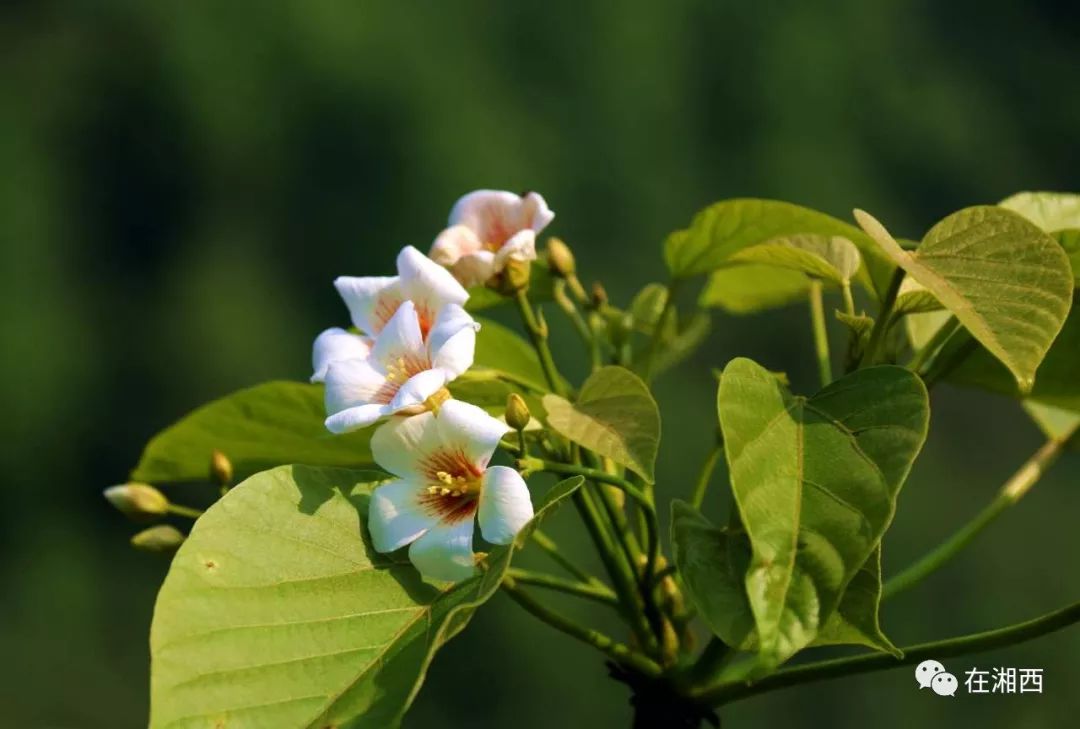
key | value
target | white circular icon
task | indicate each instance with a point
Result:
(925, 672)
(944, 684)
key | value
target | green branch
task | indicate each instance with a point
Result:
(595, 474)
(185, 511)
(582, 327)
(538, 334)
(616, 651)
(883, 320)
(1012, 491)
(821, 334)
(933, 345)
(589, 591)
(705, 476)
(725, 693)
(551, 549)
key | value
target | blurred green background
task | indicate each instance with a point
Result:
(182, 181)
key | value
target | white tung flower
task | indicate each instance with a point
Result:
(403, 370)
(373, 300)
(487, 229)
(443, 481)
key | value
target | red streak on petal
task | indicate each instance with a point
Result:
(450, 509)
(385, 307)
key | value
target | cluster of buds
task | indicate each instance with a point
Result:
(142, 502)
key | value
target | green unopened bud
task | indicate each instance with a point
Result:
(221, 468)
(560, 259)
(137, 500)
(599, 296)
(515, 277)
(517, 412)
(160, 538)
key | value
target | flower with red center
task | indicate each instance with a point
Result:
(487, 229)
(404, 372)
(373, 300)
(443, 480)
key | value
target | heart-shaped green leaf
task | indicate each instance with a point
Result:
(829, 258)
(615, 415)
(1009, 283)
(855, 620)
(713, 563)
(278, 613)
(1057, 383)
(1051, 211)
(1055, 422)
(726, 227)
(815, 481)
(750, 288)
(256, 428)
(500, 351)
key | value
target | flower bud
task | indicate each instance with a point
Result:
(515, 277)
(560, 259)
(517, 412)
(599, 295)
(221, 468)
(160, 538)
(137, 500)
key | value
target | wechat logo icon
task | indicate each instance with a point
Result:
(932, 675)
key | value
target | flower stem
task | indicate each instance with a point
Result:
(821, 334)
(595, 474)
(186, 511)
(538, 334)
(706, 475)
(724, 693)
(618, 652)
(587, 590)
(580, 325)
(548, 545)
(1011, 491)
(849, 300)
(881, 324)
(621, 574)
(933, 345)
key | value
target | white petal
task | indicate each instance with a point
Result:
(540, 212)
(355, 418)
(335, 345)
(471, 430)
(396, 517)
(453, 324)
(372, 300)
(453, 243)
(401, 337)
(450, 320)
(520, 247)
(399, 444)
(351, 382)
(445, 552)
(505, 505)
(428, 284)
(479, 208)
(475, 269)
(418, 388)
(496, 215)
(456, 354)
